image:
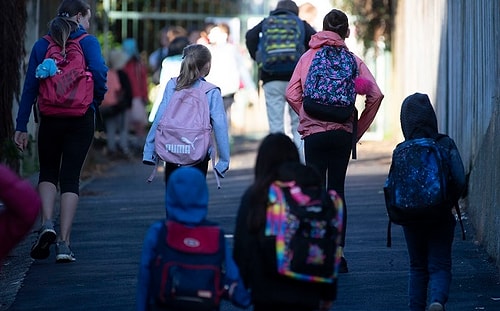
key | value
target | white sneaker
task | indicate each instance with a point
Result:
(64, 253)
(436, 306)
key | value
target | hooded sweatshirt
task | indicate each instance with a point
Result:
(418, 120)
(187, 203)
(295, 90)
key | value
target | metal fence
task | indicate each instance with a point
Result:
(450, 49)
(144, 20)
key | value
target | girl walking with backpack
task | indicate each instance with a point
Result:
(194, 68)
(328, 144)
(252, 248)
(64, 135)
(430, 244)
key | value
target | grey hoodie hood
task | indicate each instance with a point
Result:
(418, 118)
(187, 196)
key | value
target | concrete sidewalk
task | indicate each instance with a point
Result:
(117, 208)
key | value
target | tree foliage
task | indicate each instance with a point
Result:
(13, 25)
(373, 20)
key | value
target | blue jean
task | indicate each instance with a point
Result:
(329, 152)
(274, 92)
(429, 249)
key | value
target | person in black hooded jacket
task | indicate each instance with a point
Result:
(429, 247)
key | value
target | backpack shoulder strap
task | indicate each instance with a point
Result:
(207, 86)
(459, 216)
(79, 38)
(48, 38)
(439, 136)
(275, 209)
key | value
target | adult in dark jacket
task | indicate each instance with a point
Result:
(275, 84)
(269, 290)
(429, 247)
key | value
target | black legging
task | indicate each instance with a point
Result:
(170, 168)
(63, 144)
(329, 152)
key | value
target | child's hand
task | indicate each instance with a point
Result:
(239, 296)
(230, 291)
(21, 140)
(325, 304)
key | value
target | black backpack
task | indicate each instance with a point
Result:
(281, 44)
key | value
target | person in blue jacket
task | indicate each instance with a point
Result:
(195, 66)
(63, 142)
(186, 203)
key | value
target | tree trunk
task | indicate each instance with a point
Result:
(13, 25)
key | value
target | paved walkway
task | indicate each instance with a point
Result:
(116, 209)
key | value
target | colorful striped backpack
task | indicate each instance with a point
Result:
(306, 224)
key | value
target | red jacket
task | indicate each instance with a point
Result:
(21, 206)
(294, 91)
(137, 74)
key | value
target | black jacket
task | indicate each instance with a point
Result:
(252, 42)
(418, 120)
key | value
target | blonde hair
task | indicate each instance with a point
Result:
(194, 58)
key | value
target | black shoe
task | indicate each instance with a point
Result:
(343, 266)
(41, 248)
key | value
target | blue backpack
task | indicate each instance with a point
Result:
(416, 187)
(417, 190)
(281, 44)
(188, 271)
(329, 92)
